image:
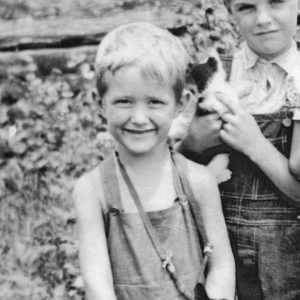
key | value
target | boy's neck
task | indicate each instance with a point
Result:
(151, 175)
(151, 160)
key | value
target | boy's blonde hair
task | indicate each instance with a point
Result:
(155, 51)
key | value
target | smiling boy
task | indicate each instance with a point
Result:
(137, 214)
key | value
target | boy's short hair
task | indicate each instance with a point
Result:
(159, 55)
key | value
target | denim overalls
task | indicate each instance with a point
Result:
(136, 267)
(263, 224)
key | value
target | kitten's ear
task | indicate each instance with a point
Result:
(213, 53)
(212, 63)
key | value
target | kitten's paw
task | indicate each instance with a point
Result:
(218, 166)
(224, 176)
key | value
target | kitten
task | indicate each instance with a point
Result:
(205, 80)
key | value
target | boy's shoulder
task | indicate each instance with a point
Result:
(88, 188)
(92, 178)
(88, 179)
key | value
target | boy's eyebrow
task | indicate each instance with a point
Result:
(123, 97)
(242, 5)
(242, 2)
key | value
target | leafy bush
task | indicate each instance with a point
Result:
(52, 131)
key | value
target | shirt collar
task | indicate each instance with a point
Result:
(286, 60)
(250, 57)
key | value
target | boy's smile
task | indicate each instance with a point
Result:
(139, 110)
(138, 132)
(268, 26)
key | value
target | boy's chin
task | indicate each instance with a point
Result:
(270, 49)
(138, 150)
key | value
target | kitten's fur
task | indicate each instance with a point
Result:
(208, 78)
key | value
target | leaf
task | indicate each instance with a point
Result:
(70, 250)
(19, 147)
(45, 249)
(58, 292)
(78, 282)
(71, 269)
(41, 163)
(59, 212)
(11, 184)
(67, 94)
(3, 114)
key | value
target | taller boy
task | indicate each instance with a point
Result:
(261, 200)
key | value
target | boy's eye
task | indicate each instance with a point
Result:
(156, 102)
(123, 102)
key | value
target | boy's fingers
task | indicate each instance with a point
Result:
(227, 117)
(231, 105)
(209, 118)
(244, 89)
(224, 136)
(212, 116)
(214, 121)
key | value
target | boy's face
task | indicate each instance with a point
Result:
(268, 26)
(139, 111)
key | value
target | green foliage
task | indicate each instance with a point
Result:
(51, 131)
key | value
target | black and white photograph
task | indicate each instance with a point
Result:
(150, 150)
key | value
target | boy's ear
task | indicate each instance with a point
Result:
(187, 101)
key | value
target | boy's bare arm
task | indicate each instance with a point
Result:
(93, 253)
(220, 280)
(294, 161)
(242, 133)
(276, 167)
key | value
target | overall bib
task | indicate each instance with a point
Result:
(136, 267)
(263, 224)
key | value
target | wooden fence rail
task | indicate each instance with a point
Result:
(57, 30)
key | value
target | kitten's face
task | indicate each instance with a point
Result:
(203, 73)
(209, 78)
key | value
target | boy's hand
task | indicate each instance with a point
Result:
(203, 133)
(240, 130)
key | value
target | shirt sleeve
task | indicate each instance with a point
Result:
(293, 96)
(296, 115)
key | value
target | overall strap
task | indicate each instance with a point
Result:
(110, 182)
(181, 168)
(227, 64)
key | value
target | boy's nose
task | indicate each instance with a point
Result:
(139, 115)
(263, 15)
